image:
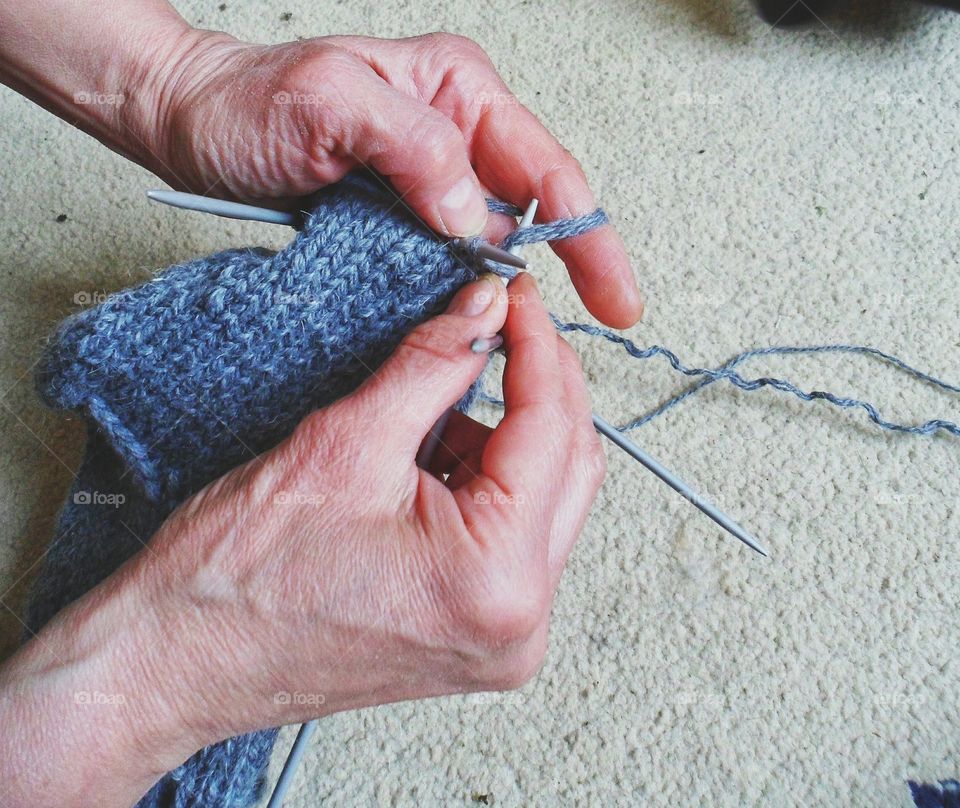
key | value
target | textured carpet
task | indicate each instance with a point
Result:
(773, 187)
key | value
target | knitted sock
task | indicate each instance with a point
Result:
(194, 372)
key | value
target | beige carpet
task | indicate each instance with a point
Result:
(773, 187)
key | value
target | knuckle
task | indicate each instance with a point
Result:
(596, 462)
(455, 46)
(320, 65)
(314, 431)
(522, 666)
(569, 357)
(318, 441)
(564, 171)
(438, 141)
(505, 610)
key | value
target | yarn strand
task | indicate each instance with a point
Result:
(727, 372)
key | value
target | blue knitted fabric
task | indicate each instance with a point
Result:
(213, 361)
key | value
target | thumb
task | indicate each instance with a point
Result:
(425, 157)
(434, 366)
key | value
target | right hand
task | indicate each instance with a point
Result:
(334, 566)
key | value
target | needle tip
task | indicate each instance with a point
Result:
(751, 542)
(501, 256)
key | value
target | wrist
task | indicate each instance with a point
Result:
(116, 78)
(87, 703)
(169, 75)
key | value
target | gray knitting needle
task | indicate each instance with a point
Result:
(613, 434)
(293, 760)
(480, 345)
(236, 210)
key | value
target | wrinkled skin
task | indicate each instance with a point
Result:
(332, 569)
(429, 113)
(443, 581)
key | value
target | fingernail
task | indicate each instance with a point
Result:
(463, 211)
(475, 298)
(486, 344)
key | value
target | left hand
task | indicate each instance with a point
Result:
(430, 113)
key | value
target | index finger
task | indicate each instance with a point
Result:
(518, 159)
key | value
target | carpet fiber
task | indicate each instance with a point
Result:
(788, 187)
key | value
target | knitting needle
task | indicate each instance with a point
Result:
(221, 207)
(293, 760)
(479, 345)
(236, 210)
(614, 435)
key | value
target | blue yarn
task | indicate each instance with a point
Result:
(726, 372)
(555, 231)
(216, 360)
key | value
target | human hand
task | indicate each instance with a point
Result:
(329, 573)
(213, 115)
(429, 113)
(339, 567)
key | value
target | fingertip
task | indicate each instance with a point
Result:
(623, 313)
(523, 289)
(527, 316)
(601, 273)
(485, 298)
